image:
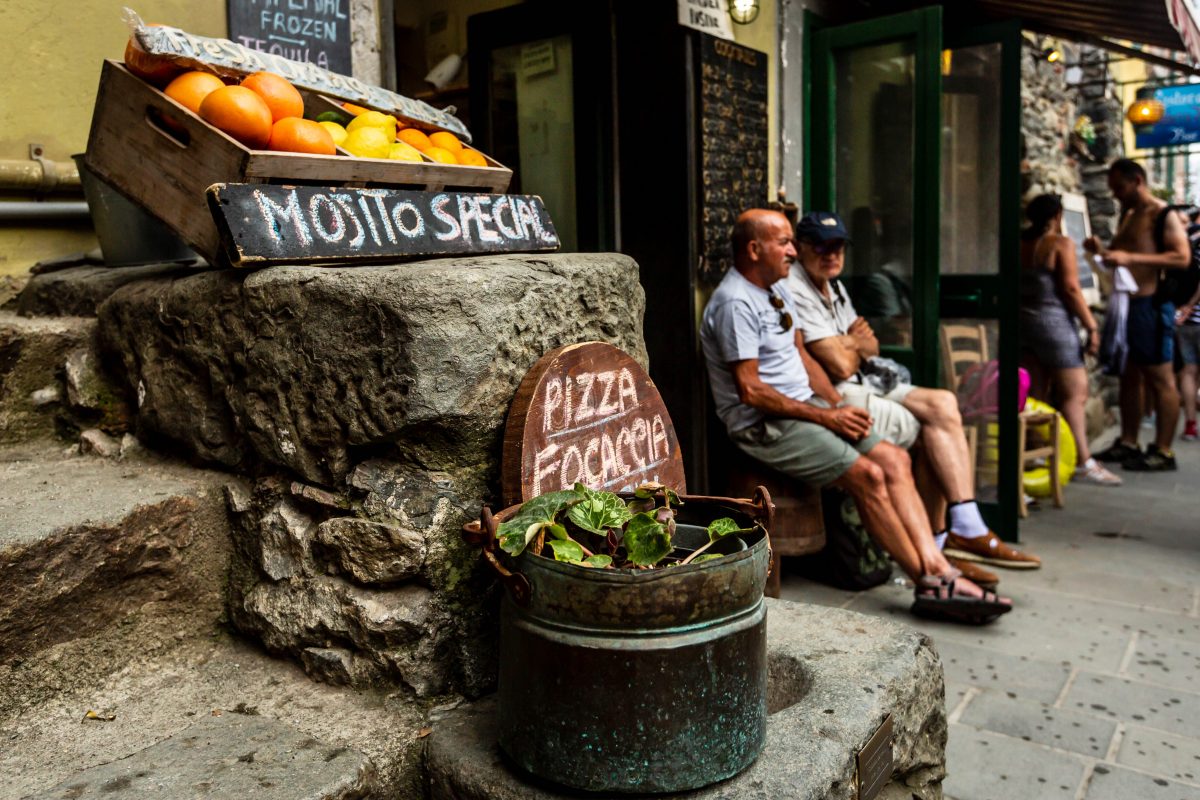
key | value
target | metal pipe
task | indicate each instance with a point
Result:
(24, 210)
(41, 175)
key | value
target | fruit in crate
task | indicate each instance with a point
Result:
(441, 155)
(190, 89)
(471, 158)
(240, 113)
(446, 141)
(335, 131)
(280, 96)
(414, 137)
(400, 151)
(298, 135)
(367, 142)
(374, 119)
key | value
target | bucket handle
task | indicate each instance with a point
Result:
(482, 534)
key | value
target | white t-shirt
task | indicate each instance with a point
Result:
(740, 323)
(820, 316)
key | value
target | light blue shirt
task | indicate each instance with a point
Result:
(740, 323)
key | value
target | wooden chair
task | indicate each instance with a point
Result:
(965, 345)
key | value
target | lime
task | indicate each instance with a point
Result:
(333, 116)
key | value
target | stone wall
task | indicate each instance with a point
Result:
(1048, 115)
(365, 408)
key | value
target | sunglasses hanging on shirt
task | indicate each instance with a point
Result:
(785, 317)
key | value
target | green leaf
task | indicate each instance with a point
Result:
(707, 557)
(568, 550)
(720, 528)
(647, 541)
(532, 517)
(596, 512)
(558, 532)
(599, 560)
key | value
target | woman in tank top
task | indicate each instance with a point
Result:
(1051, 303)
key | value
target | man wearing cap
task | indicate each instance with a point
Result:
(844, 344)
(781, 409)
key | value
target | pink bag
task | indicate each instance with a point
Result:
(979, 390)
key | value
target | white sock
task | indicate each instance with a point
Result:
(940, 540)
(966, 521)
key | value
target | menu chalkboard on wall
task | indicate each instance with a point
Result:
(313, 31)
(733, 145)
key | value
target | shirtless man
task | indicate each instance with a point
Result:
(1145, 246)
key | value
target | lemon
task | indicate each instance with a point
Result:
(374, 119)
(367, 143)
(400, 151)
(337, 132)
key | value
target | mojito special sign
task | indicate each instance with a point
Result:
(1180, 123)
(263, 224)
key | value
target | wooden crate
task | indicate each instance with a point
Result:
(168, 172)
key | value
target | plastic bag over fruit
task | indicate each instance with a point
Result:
(230, 59)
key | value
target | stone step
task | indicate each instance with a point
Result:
(88, 541)
(210, 716)
(34, 351)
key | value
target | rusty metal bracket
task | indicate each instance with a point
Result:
(50, 176)
(482, 534)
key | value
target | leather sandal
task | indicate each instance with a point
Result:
(936, 598)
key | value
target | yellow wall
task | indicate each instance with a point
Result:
(50, 61)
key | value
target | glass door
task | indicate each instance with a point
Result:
(916, 144)
(874, 160)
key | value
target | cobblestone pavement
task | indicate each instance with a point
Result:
(1090, 688)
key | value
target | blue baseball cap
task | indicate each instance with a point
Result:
(821, 226)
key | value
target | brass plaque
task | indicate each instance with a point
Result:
(875, 761)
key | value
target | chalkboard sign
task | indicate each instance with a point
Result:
(312, 31)
(733, 144)
(263, 224)
(588, 413)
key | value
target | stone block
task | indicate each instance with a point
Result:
(78, 291)
(1161, 753)
(985, 765)
(1114, 783)
(834, 676)
(1151, 706)
(1059, 728)
(232, 755)
(313, 369)
(32, 355)
(371, 552)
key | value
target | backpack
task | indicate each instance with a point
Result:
(1176, 286)
(979, 390)
(851, 560)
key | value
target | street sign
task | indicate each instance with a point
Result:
(1180, 124)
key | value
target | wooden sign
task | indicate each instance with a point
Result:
(232, 59)
(262, 224)
(733, 145)
(311, 31)
(588, 413)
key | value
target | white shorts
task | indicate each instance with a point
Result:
(893, 421)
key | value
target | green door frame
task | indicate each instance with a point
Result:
(996, 296)
(924, 27)
(936, 296)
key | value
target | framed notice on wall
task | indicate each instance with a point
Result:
(733, 145)
(1077, 225)
(312, 31)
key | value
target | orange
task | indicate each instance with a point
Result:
(446, 141)
(280, 96)
(190, 89)
(414, 137)
(241, 113)
(441, 155)
(297, 135)
(472, 158)
(158, 70)
(353, 109)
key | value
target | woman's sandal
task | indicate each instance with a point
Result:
(936, 599)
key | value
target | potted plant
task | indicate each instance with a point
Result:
(633, 636)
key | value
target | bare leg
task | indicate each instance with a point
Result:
(866, 484)
(929, 488)
(1162, 378)
(1073, 386)
(1187, 388)
(1131, 404)
(944, 440)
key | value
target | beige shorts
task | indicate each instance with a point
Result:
(893, 421)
